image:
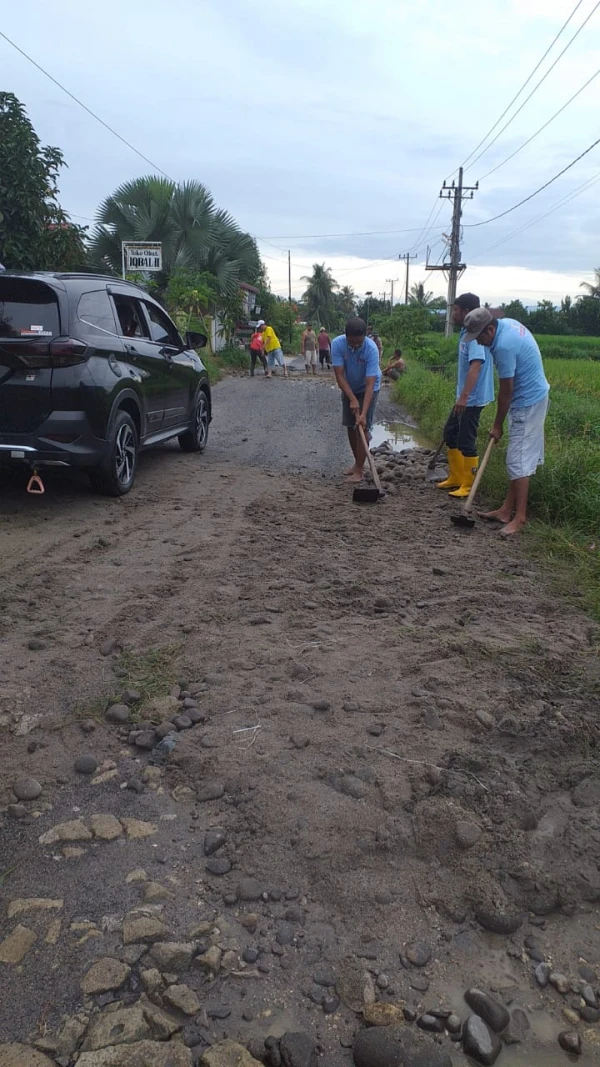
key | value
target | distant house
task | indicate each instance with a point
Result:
(249, 315)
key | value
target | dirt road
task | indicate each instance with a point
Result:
(391, 725)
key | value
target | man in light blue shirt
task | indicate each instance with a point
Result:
(355, 360)
(474, 389)
(523, 396)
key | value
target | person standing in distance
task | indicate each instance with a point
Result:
(308, 347)
(324, 341)
(523, 397)
(474, 389)
(356, 366)
(272, 348)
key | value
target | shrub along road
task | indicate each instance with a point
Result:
(384, 787)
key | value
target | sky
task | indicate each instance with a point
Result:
(342, 117)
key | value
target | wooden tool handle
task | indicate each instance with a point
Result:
(370, 459)
(479, 475)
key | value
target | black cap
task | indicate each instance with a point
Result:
(468, 302)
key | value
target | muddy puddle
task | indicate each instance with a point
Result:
(400, 436)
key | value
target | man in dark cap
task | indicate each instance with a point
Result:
(474, 389)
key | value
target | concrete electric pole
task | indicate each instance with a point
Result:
(406, 256)
(453, 268)
(390, 282)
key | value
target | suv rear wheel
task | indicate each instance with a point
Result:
(116, 474)
(196, 439)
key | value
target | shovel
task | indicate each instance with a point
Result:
(362, 494)
(434, 459)
(464, 519)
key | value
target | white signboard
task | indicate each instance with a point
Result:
(141, 255)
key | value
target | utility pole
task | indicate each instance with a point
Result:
(368, 294)
(406, 256)
(454, 269)
(290, 290)
(391, 284)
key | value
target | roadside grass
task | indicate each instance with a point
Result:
(565, 493)
(222, 362)
(152, 673)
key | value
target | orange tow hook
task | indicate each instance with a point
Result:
(35, 484)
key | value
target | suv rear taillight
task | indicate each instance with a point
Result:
(66, 352)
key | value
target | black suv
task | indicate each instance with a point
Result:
(92, 370)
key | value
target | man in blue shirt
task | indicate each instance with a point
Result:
(474, 389)
(523, 396)
(355, 362)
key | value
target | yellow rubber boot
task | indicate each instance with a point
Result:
(455, 470)
(471, 464)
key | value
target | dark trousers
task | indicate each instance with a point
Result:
(324, 356)
(461, 431)
(254, 355)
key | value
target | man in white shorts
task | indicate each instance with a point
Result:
(523, 396)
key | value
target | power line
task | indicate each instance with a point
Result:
(472, 225)
(524, 86)
(535, 89)
(534, 135)
(355, 233)
(86, 108)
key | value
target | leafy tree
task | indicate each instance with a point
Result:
(35, 234)
(345, 302)
(546, 319)
(516, 310)
(406, 327)
(320, 297)
(419, 297)
(191, 297)
(586, 316)
(593, 288)
(372, 306)
(194, 234)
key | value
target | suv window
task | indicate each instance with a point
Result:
(28, 309)
(95, 310)
(162, 329)
(130, 317)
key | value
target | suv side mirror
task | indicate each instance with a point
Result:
(195, 340)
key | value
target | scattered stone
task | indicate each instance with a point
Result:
(355, 985)
(104, 976)
(587, 793)
(590, 1015)
(105, 776)
(213, 841)
(298, 1050)
(210, 960)
(109, 646)
(587, 973)
(152, 981)
(17, 811)
(330, 1005)
(418, 953)
(571, 1016)
(218, 865)
(27, 789)
(75, 830)
(87, 726)
(145, 739)
(350, 785)
(15, 1055)
(560, 982)
(248, 889)
(36, 645)
(182, 998)
(53, 934)
(285, 934)
(174, 956)
(15, 947)
(141, 1022)
(214, 791)
(397, 1046)
(420, 982)
(570, 1041)
(85, 764)
(161, 709)
(479, 1042)
(182, 722)
(380, 1014)
(431, 1023)
(144, 930)
(139, 1054)
(118, 713)
(136, 828)
(382, 981)
(467, 833)
(154, 892)
(384, 896)
(589, 996)
(106, 827)
(24, 904)
(542, 975)
(485, 719)
(488, 1009)
(453, 1024)
(137, 875)
(228, 1054)
(498, 921)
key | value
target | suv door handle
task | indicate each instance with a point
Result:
(131, 349)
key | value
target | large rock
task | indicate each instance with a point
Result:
(106, 827)
(182, 998)
(139, 1054)
(228, 1054)
(136, 828)
(142, 1022)
(298, 1050)
(354, 985)
(489, 1009)
(104, 976)
(22, 1056)
(144, 930)
(74, 830)
(173, 955)
(479, 1042)
(15, 947)
(397, 1046)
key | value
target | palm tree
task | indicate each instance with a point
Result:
(418, 297)
(193, 233)
(320, 297)
(593, 288)
(346, 301)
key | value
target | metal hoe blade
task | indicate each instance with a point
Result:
(463, 520)
(362, 495)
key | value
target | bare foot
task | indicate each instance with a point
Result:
(513, 527)
(356, 476)
(496, 516)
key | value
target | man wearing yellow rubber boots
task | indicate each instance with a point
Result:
(474, 389)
